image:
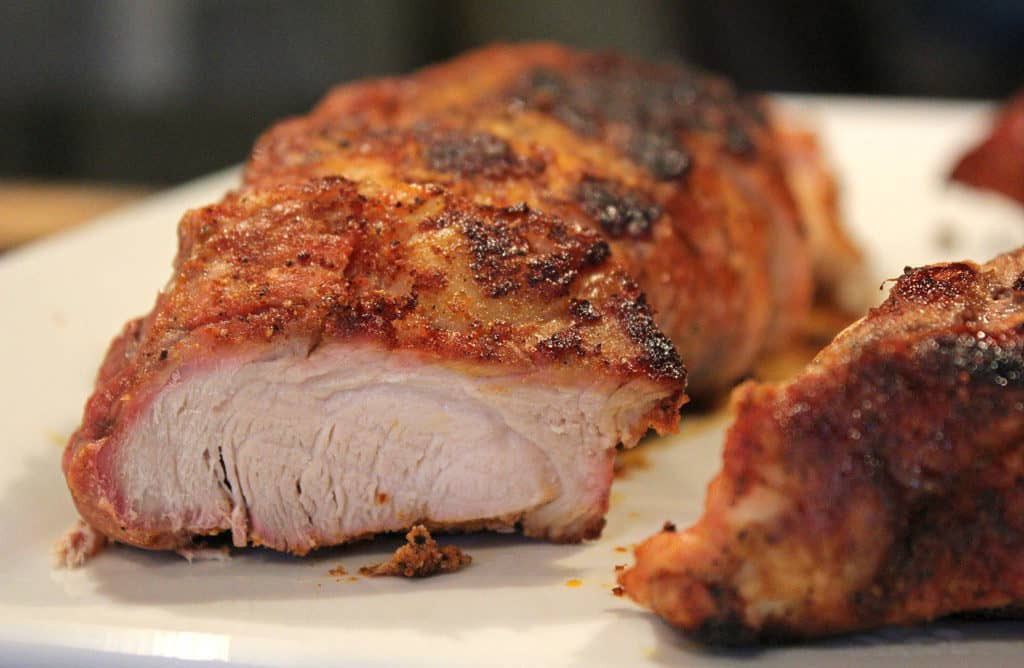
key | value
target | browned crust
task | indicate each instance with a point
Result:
(901, 450)
(412, 268)
(679, 171)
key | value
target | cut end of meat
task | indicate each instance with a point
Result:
(420, 557)
(292, 451)
(882, 486)
(327, 365)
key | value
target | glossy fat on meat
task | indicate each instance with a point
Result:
(332, 360)
(881, 486)
(691, 181)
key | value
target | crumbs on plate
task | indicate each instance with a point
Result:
(420, 557)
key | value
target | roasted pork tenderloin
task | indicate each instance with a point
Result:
(691, 182)
(332, 360)
(883, 485)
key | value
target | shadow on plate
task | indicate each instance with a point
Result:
(951, 642)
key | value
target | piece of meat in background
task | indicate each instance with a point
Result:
(997, 163)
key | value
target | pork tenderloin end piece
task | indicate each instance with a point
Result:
(882, 486)
(332, 360)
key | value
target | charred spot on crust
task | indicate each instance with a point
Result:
(596, 253)
(375, 313)
(659, 354)
(563, 342)
(504, 259)
(1018, 284)
(583, 311)
(494, 245)
(468, 153)
(738, 141)
(620, 211)
(660, 154)
(656, 102)
(935, 283)
(870, 602)
(549, 91)
(727, 628)
(517, 208)
(981, 358)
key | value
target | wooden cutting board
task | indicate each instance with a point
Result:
(31, 210)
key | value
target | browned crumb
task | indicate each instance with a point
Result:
(619, 548)
(78, 545)
(353, 578)
(573, 583)
(419, 557)
(668, 526)
(618, 591)
(620, 567)
(337, 571)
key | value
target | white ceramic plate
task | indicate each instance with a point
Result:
(62, 300)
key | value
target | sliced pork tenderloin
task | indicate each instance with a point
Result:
(333, 360)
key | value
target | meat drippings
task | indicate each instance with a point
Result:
(420, 557)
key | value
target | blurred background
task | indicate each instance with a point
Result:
(147, 93)
(157, 91)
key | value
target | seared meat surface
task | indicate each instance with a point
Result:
(690, 181)
(997, 163)
(884, 485)
(335, 359)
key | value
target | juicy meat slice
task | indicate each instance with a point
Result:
(997, 163)
(683, 175)
(332, 360)
(884, 485)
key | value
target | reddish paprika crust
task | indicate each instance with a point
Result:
(683, 175)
